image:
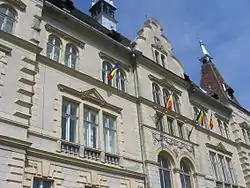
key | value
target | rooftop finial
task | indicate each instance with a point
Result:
(204, 50)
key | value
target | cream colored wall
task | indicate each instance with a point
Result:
(146, 38)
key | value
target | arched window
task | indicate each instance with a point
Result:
(196, 112)
(156, 93)
(120, 80)
(185, 175)
(106, 69)
(177, 104)
(7, 18)
(71, 56)
(157, 57)
(165, 96)
(54, 48)
(164, 171)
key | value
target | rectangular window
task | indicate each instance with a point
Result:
(248, 135)
(231, 171)
(109, 134)
(91, 128)
(226, 130)
(223, 168)
(40, 183)
(214, 165)
(69, 121)
(180, 129)
(221, 128)
(170, 126)
(245, 135)
(159, 121)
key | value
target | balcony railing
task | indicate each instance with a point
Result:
(111, 159)
(91, 153)
(70, 148)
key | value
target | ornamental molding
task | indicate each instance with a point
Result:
(112, 60)
(64, 35)
(17, 3)
(220, 148)
(5, 49)
(91, 95)
(164, 83)
(176, 146)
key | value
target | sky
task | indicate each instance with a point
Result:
(223, 25)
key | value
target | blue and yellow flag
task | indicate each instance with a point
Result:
(113, 71)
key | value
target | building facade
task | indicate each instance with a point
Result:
(64, 124)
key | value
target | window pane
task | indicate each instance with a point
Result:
(63, 133)
(167, 179)
(170, 126)
(72, 130)
(162, 178)
(46, 184)
(36, 183)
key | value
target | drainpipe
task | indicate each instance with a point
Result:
(134, 54)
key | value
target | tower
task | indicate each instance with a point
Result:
(211, 79)
(103, 11)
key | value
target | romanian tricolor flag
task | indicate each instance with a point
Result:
(113, 71)
(169, 104)
(200, 118)
(211, 122)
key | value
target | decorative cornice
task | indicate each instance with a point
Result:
(164, 83)
(41, 135)
(220, 147)
(14, 142)
(84, 77)
(5, 49)
(198, 105)
(110, 59)
(15, 123)
(167, 134)
(88, 96)
(176, 146)
(20, 42)
(145, 61)
(64, 35)
(244, 125)
(222, 118)
(83, 163)
(17, 3)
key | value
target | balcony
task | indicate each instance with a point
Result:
(111, 159)
(92, 153)
(69, 148)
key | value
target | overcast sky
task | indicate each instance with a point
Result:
(223, 25)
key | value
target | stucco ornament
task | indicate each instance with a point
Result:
(176, 146)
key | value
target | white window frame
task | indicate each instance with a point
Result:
(52, 44)
(120, 79)
(106, 69)
(89, 126)
(41, 182)
(107, 146)
(70, 117)
(71, 51)
(156, 91)
(7, 18)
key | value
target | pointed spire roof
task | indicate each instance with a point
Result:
(211, 79)
(205, 54)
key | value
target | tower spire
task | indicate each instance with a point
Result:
(103, 11)
(206, 57)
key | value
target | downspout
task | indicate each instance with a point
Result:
(134, 55)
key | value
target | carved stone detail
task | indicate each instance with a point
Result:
(176, 146)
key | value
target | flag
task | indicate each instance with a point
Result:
(113, 71)
(169, 104)
(211, 122)
(200, 118)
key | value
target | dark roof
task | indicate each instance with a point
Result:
(77, 13)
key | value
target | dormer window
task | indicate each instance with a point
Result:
(160, 58)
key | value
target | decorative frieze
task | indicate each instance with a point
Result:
(176, 146)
